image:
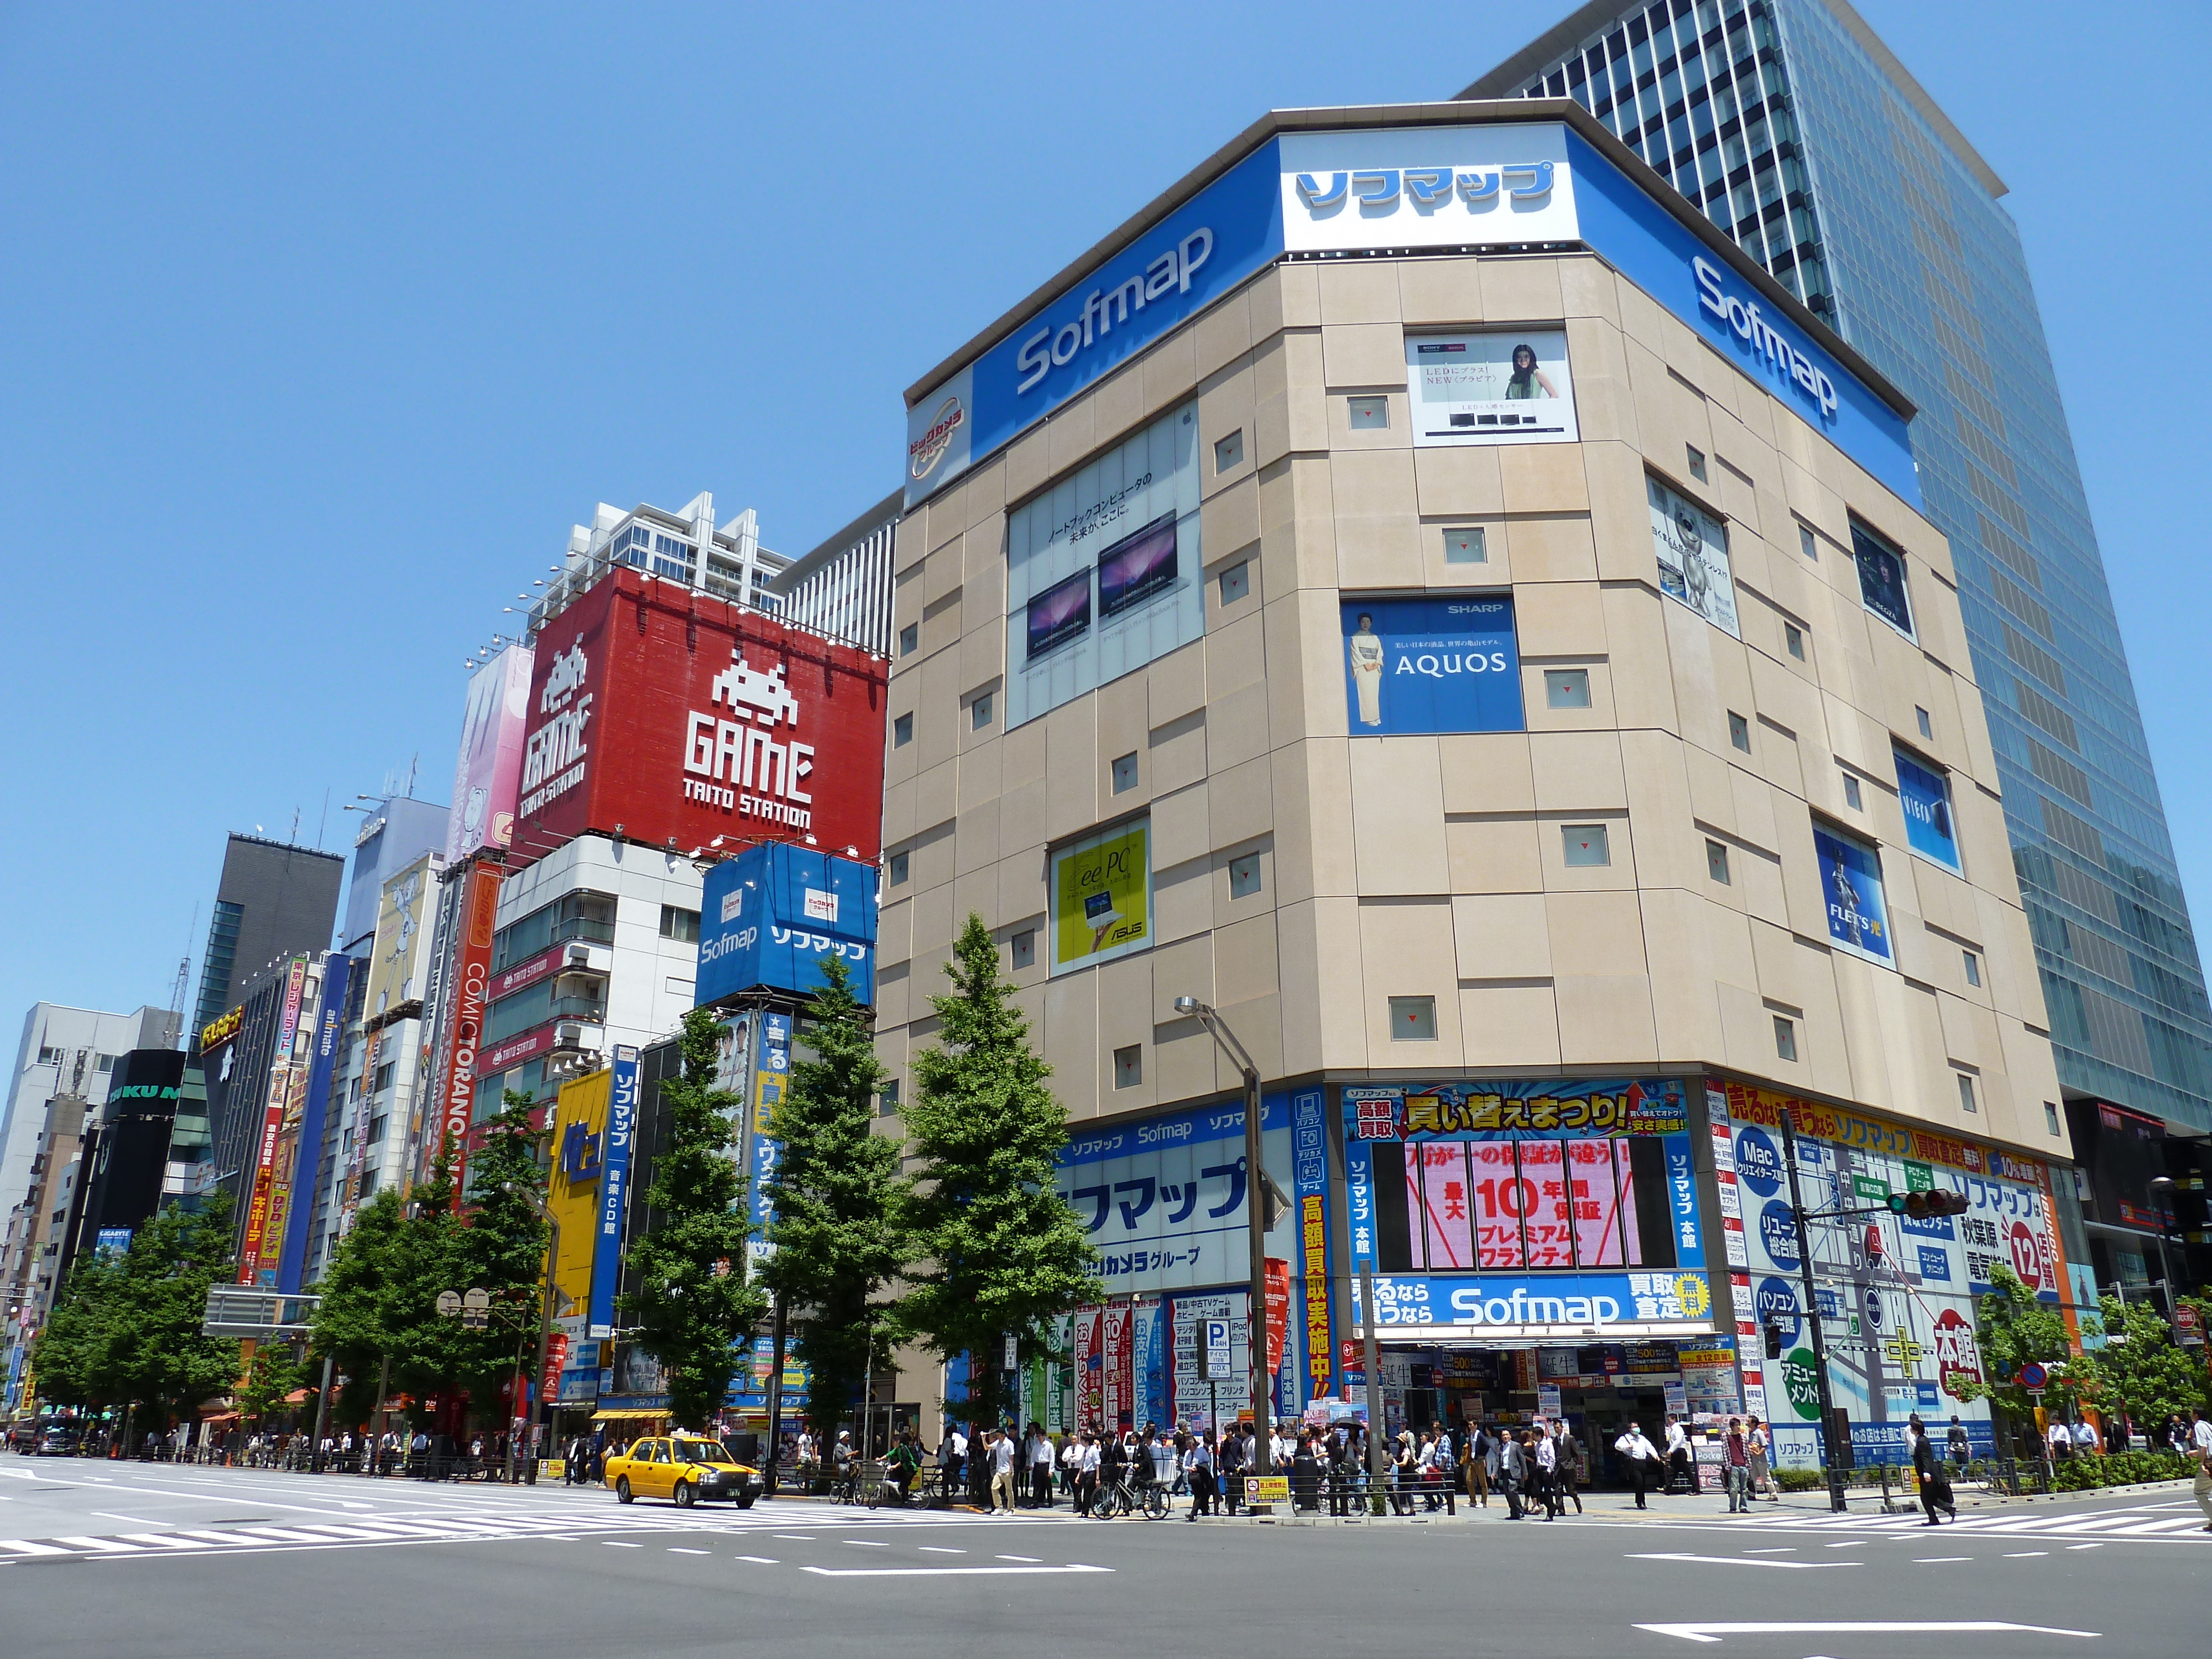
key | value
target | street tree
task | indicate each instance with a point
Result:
(2013, 1329)
(354, 1322)
(839, 1201)
(501, 1251)
(271, 1376)
(693, 1307)
(2140, 1369)
(1000, 1253)
(127, 1329)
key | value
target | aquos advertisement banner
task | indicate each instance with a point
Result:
(1550, 1208)
(1896, 1295)
(1440, 663)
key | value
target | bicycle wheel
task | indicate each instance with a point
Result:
(1156, 1504)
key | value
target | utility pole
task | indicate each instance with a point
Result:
(1828, 1458)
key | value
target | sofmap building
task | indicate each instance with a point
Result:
(1420, 589)
(1804, 140)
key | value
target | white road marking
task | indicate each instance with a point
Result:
(868, 1543)
(941, 1573)
(166, 1541)
(104, 1545)
(939, 1549)
(1031, 1560)
(1740, 1561)
(677, 1549)
(759, 1561)
(614, 1544)
(2023, 1555)
(2085, 1546)
(1932, 1560)
(135, 1520)
(1778, 1549)
(1713, 1632)
(24, 1546)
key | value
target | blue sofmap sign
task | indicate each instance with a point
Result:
(614, 1187)
(1444, 663)
(1665, 1296)
(1200, 250)
(770, 916)
(1925, 795)
(1850, 886)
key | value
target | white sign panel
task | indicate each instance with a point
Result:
(1513, 387)
(1103, 569)
(1427, 187)
(1693, 557)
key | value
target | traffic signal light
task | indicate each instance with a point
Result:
(1934, 1202)
(1773, 1340)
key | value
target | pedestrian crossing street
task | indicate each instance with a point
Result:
(2134, 1522)
(447, 1527)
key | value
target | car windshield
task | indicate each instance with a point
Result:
(701, 1451)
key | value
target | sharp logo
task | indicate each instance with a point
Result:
(926, 452)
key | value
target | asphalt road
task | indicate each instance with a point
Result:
(158, 1563)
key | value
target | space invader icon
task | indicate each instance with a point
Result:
(765, 694)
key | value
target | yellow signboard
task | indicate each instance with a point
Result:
(1102, 896)
(579, 1124)
(1267, 1488)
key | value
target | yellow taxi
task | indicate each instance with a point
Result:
(685, 1469)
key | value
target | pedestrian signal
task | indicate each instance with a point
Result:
(1934, 1202)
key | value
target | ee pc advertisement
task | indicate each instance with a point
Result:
(769, 917)
(1432, 664)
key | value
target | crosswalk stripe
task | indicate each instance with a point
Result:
(107, 1546)
(286, 1534)
(24, 1546)
(167, 1541)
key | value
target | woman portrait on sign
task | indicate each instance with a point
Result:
(1528, 380)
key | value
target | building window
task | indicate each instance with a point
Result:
(909, 639)
(2050, 1117)
(1807, 543)
(384, 1076)
(1124, 773)
(1236, 581)
(1022, 948)
(900, 868)
(1585, 844)
(1229, 450)
(1466, 546)
(1129, 1067)
(1973, 967)
(1412, 1020)
(1852, 798)
(887, 1099)
(1967, 1103)
(376, 1127)
(1739, 731)
(1785, 1038)
(1793, 639)
(1717, 862)
(1244, 876)
(979, 712)
(1927, 727)
(902, 731)
(1566, 688)
(1697, 462)
(1371, 414)
(679, 923)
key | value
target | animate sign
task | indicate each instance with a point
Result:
(672, 718)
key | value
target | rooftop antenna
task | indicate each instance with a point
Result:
(413, 766)
(293, 840)
(324, 821)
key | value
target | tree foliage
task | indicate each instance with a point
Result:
(839, 1200)
(2140, 1369)
(1001, 1253)
(380, 1290)
(2013, 1329)
(694, 1306)
(127, 1328)
(271, 1376)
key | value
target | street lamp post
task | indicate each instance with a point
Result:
(545, 1316)
(1257, 1191)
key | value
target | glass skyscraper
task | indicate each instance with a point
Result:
(1792, 127)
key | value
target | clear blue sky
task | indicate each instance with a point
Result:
(319, 325)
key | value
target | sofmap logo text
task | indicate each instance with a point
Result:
(1170, 273)
(1748, 326)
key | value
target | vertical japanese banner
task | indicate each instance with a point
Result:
(463, 1026)
(1089, 1397)
(256, 1212)
(1060, 1378)
(1309, 1172)
(1722, 1130)
(1148, 1348)
(1114, 1343)
(772, 1071)
(614, 1190)
(1682, 1198)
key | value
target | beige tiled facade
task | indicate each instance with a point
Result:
(1434, 866)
